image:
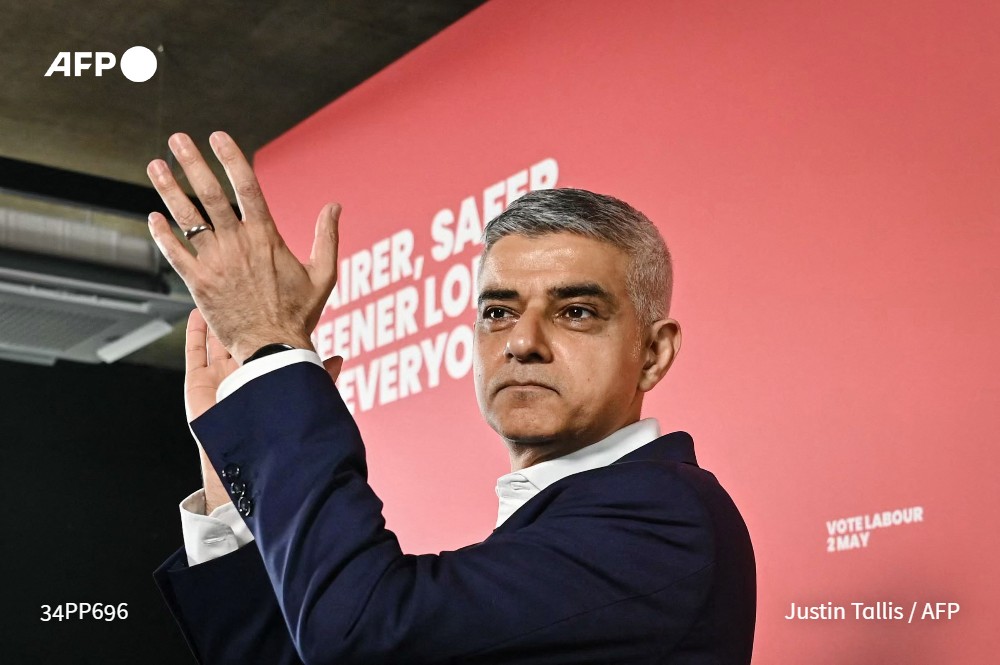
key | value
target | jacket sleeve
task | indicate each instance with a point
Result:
(226, 608)
(612, 566)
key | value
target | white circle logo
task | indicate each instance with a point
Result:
(138, 64)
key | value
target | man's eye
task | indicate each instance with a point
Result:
(494, 313)
(578, 312)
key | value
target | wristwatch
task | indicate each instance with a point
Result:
(268, 350)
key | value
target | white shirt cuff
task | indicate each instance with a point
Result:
(208, 537)
(262, 366)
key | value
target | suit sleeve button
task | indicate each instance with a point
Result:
(244, 506)
(238, 487)
(231, 472)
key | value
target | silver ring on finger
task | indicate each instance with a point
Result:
(195, 230)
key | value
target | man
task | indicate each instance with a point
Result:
(611, 545)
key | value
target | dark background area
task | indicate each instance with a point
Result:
(95, 460)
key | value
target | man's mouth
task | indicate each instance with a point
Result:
(525, 385)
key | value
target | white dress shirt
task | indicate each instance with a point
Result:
(207, 537)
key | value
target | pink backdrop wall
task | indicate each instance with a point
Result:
(826, 178)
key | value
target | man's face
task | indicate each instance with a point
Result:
(558, 352)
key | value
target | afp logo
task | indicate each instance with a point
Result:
(138, 64)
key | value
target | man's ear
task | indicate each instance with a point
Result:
(662, 346)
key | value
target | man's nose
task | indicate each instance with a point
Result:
(528, 341)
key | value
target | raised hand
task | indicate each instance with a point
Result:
(248, 285)
(207, 363)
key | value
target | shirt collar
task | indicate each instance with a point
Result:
(515, 488)
(602, 453)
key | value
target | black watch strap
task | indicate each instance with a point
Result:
(268, 350)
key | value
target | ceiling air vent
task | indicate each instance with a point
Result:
(79, 292)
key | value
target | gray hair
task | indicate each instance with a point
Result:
(649, 278)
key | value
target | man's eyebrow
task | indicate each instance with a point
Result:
(583, 289)
(562, 292)
(498, 294)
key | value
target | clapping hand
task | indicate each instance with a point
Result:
(247, 284)
(249, 288)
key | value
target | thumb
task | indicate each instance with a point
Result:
(323, 257)
(333, 366)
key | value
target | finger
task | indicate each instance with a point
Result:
(334, 366)
(195, 353)
(323, 258)
(217, 351)
(177, 202)
(173, 250)
(249, 196)
(206, 186)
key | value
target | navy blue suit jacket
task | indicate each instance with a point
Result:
(646, 560)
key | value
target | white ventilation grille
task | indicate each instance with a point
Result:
(45, 317)
(48, 330)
